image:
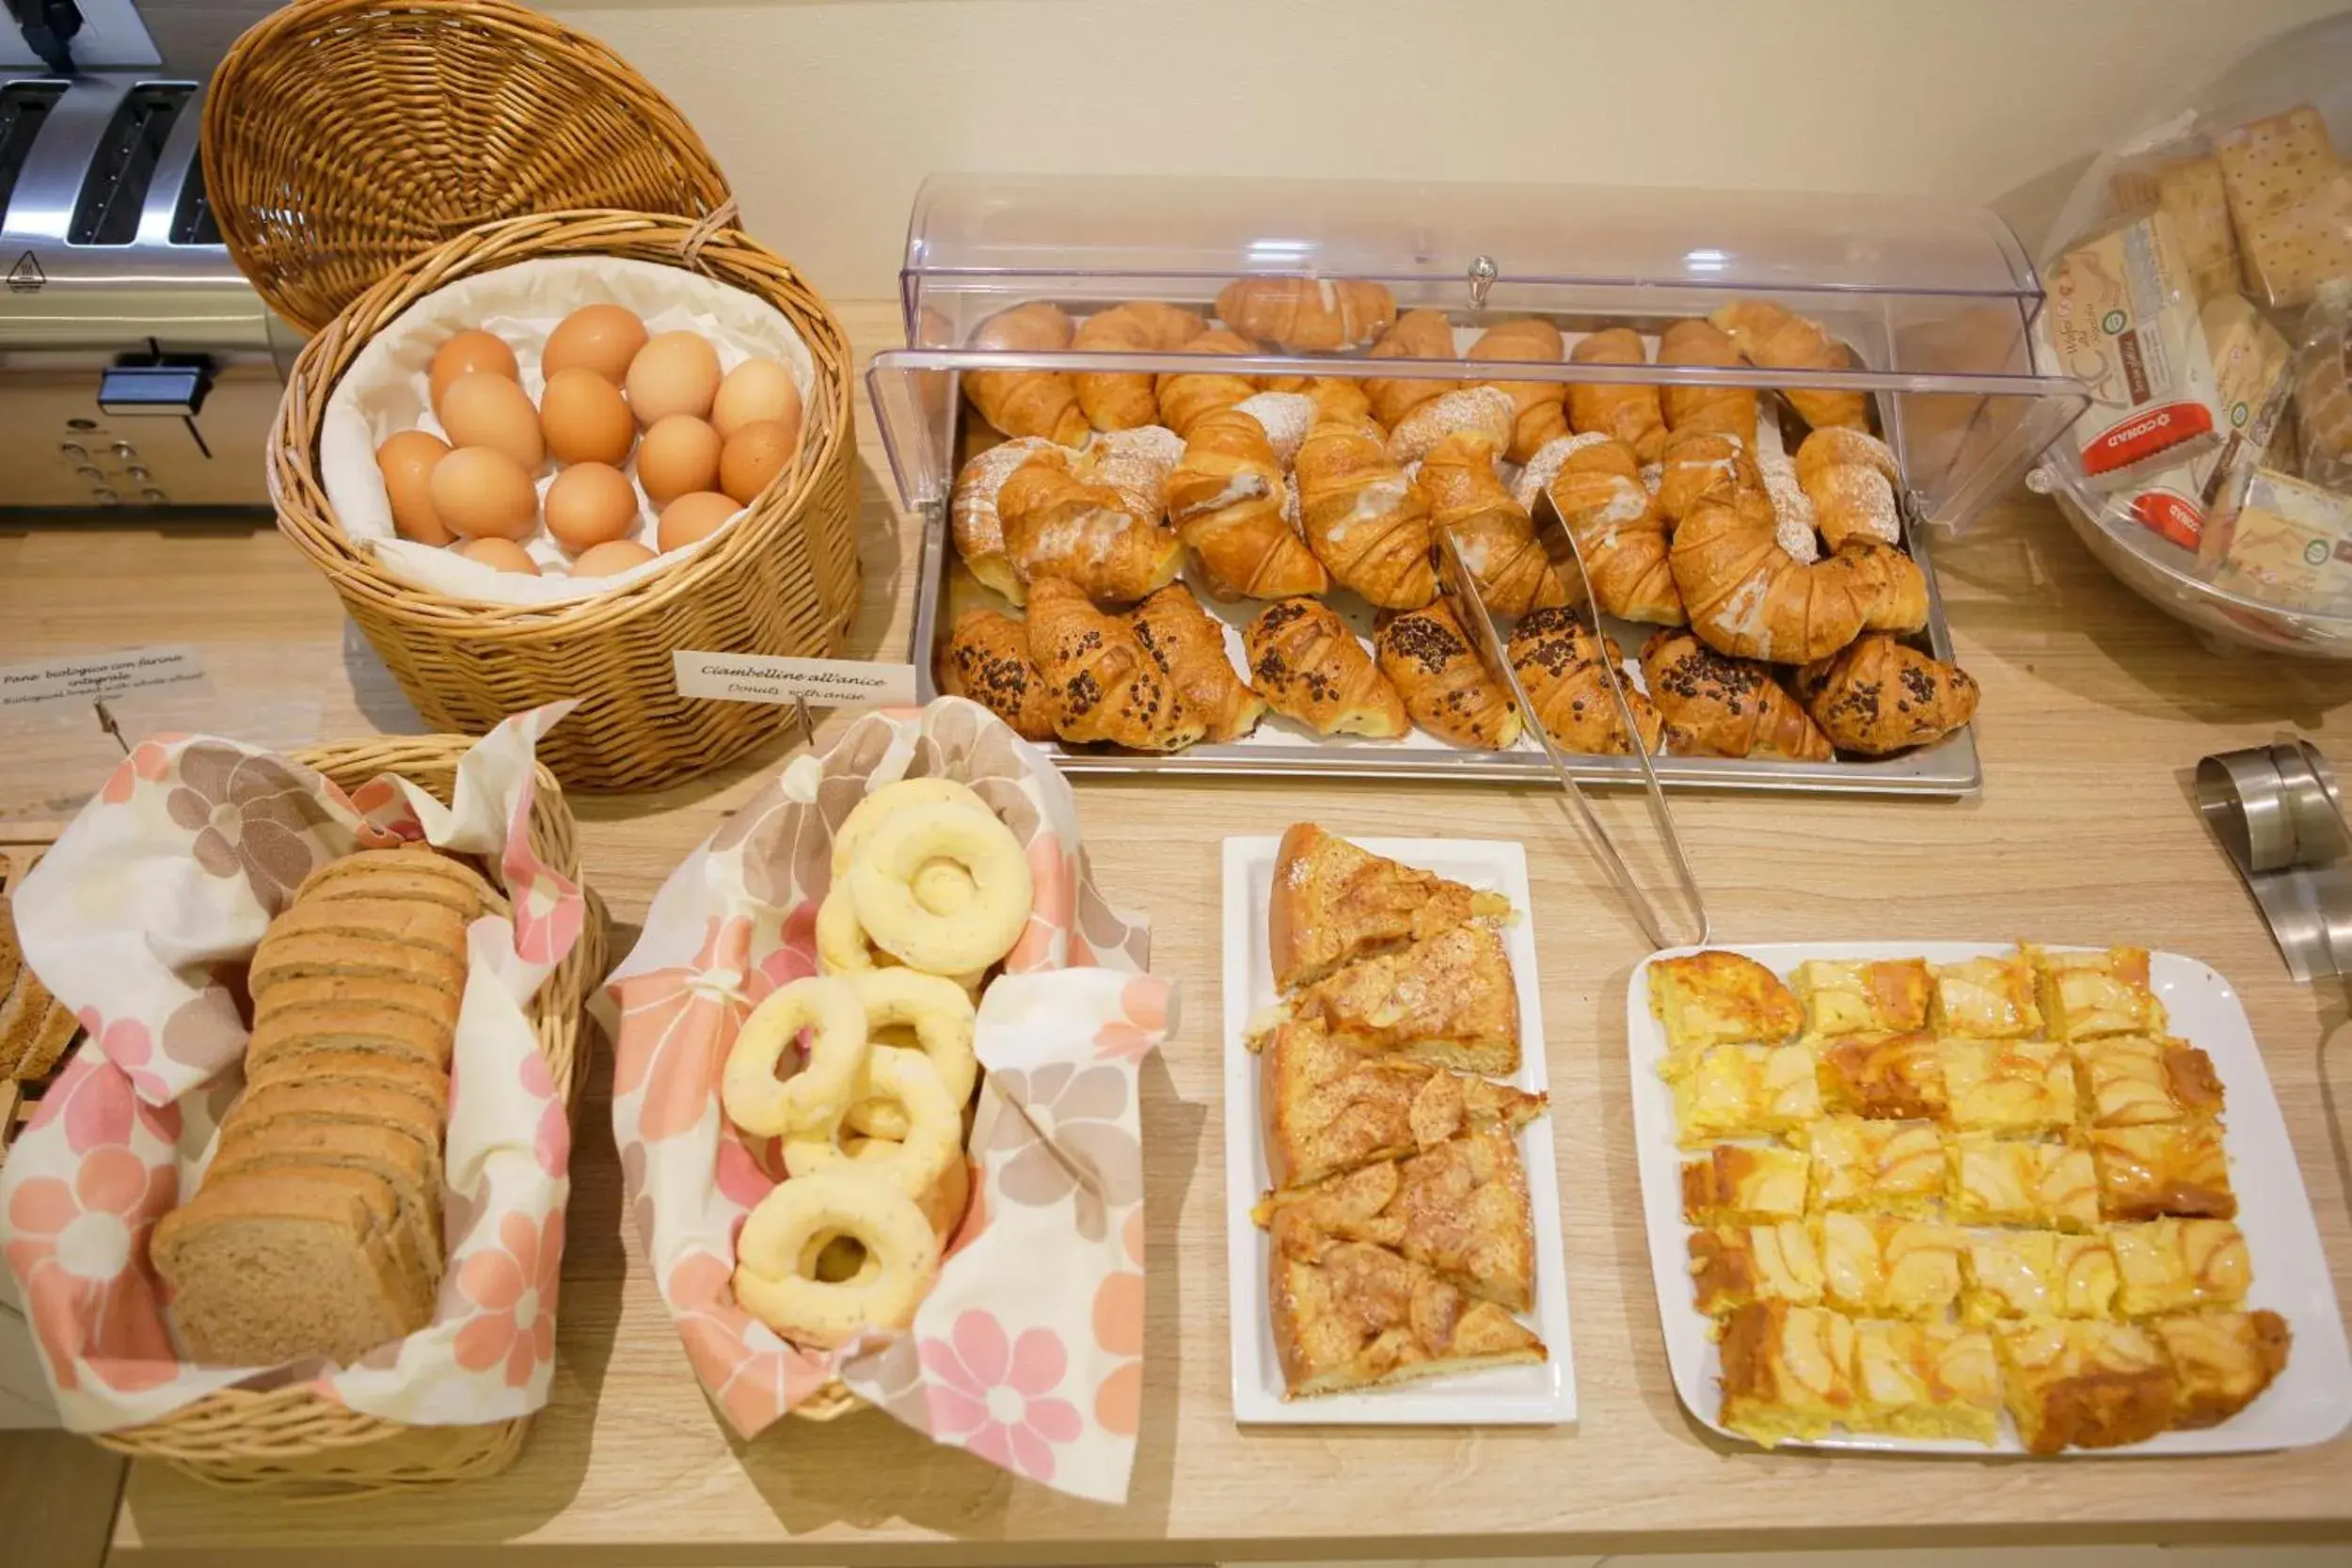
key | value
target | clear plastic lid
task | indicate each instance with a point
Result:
(1935, 301)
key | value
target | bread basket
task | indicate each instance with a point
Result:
(290, 1438)
(362, 154)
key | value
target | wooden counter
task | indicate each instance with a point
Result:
(2094, 708)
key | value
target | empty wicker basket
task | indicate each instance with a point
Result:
(362, 154)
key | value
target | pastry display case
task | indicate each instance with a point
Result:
(1364, 305)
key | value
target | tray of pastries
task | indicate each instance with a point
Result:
(1393, 1232)
(1955, 1197)
(1213, 570)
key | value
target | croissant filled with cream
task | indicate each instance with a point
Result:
(1226, 498)
(1363, 520)
(1057, 526)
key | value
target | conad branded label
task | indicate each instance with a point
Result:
(2122, 318)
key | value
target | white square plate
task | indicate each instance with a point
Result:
(2312, 1399)
(1528, 1396)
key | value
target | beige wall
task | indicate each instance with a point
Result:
(827, 113)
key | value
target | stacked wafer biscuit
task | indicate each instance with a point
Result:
(35, 1027)
(317, 1231)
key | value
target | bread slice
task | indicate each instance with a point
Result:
(403, 922)
(1447, 1000)
(1332, 1108)
(45, 1047)
(30, 1022)
(363, 1102)
(270, 1268)
(300, 1062)
(1352, 1315)
(11, 948)
(310, 954)
(407, 998)
(410, 872)
(339, 1026)
(1334, 902)
(415, 1182)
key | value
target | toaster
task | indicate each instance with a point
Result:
(138, 369)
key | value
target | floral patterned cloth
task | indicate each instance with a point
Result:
(142, 919)
(1028, 1352)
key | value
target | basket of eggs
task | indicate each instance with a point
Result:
(558, 419)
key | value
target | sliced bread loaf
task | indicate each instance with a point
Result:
(406, 922)
(408, 998)
(362, 1102)
(410, 872)
(339, 1026)
(287, 1146)
(305, 1061)
(309, 955)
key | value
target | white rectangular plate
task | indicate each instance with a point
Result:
(1528, 1395)
(2312, 1401)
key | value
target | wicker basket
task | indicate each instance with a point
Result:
(290, 1439)
(362, 154)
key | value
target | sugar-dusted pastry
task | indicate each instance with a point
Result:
(1102, 684)
(1862, 996)
(1628, 414)
(2080, 1383)
(1309, 667)
(986, 657)
(1558, 660)
(2036, 1274)
(2087, 994)
(1057, 526)
(1307, 315)
(2178, 1168)
(1878, 1167)
(1998, 1181)
(1445, 686)
(1226, 501)
(1747, 596)
(1704, 465)
(1493, 533)
(1737, 1265)
(1122, 400)
(1136, 463)
(1596, 484)
(1029, 402)
(1189, 647)
(1849, 478)
(1732, 1091)
(1745, 1184)
(1482, 414)
(1726, 707)
(1334, 902)
(1777, 338)
(973, 521)
(1729, 410)
(2173, 1265)
(1447, 1000)
(1896, 1077)
(1878, 695)
(1990, 998)
(1416, 335)
(2221, 1361)
(1713, 998)
(2007, 1086)
(1365, 520)
(1332, 1108)
(1542, 414)
(1185, 396)
(2125, 1081)
(1927, 1380)
(1788, 1372)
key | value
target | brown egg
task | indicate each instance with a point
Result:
(754, 455)
(481, 493)
(584, 419)
(591, 503)
(503, 554)
(485, 410)
(756, 389)
(406, 462)
(466, 354)
(678, 455)
(677, 372)
(599, 338)
(694, 516)
(605, 561)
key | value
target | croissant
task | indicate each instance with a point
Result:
(1310, 667)
(1056, 526)
(1493, 533)
(1339, 398)
(1028, 403)
(1285, 417)
(1849, 477)
(1365, 520)
(1485, 412)
(1226, 499)
(1631, 414)
(1136, 463)
(1726, 707)
(1892, 589)
(1703, 466)
(1541, 407)
(973, 519)
(1730, 409)
(1189, 647)
(1746, 595)
(1780, 339)
(1880, 695)
(1099, 681)
(1445, 688)
(986, 657)
(1596, 482)
(1121, 400)
(1417, 335)
(1185, 396)
(1307, 315)
(1558, 661)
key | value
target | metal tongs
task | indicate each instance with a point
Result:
(1460, 588)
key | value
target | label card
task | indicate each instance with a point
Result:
(763, 678)
(83, 679)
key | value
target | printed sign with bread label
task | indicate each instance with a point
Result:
(83, 679)
(767, 679)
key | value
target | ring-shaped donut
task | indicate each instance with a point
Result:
(843, 947)
(770, 1286)
(760, 1103)
(895, 921)
(943, 887)
(942, 1202)
(913, 1165)
(848, 838)
(941, 1015)
(836, 1258)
